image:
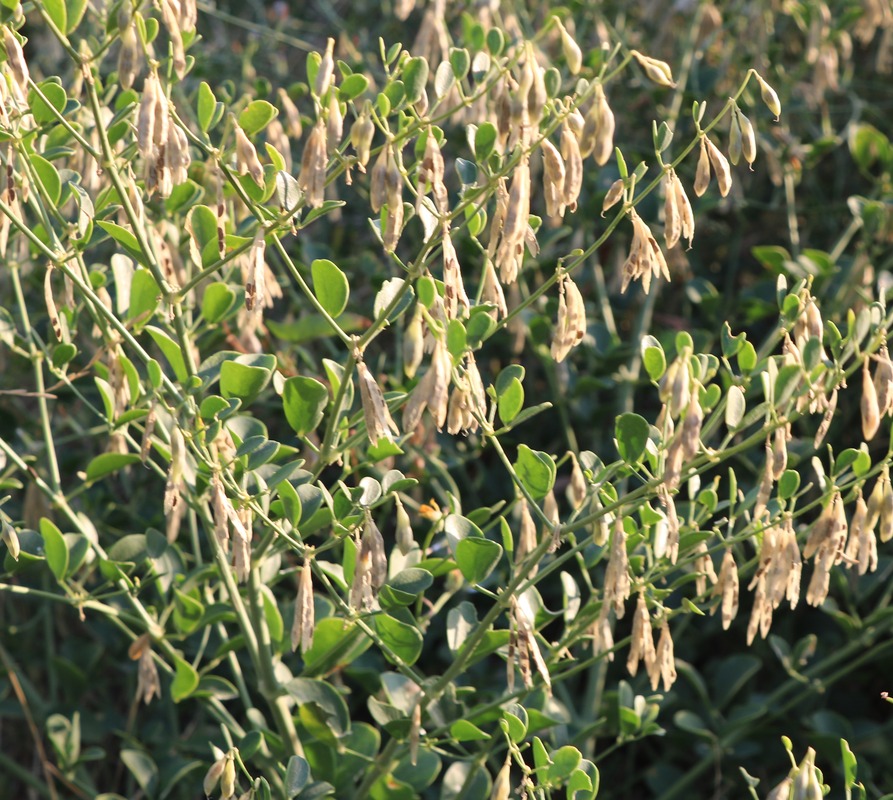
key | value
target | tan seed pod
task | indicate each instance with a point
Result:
(526, 538)
(734, 139)
(404, 535)
(15, 58)
(430, 392)
(492, 291)
(145, 117)
(770, 97)
(304, 619)
(665, 661)
(255, 288)
(10, 538)
(642, 640)
(573, 168)
(518, 207)
(571, 325)
(578, 486)
(325, 71)
(603, 142)
(702, 173)
(170, 15)
(691, 427)
(613, 195)
(378, 179)
(748, 139)
(573, 55)
(871, 418)
(413, 344)
(553, 179)
(686, 215)
(213, 775)
(779, 452)
(617, 579)
(228, 777)
(883, 381)
(361, 134)
(247, 161)
(502, 784)
(314, 161)
(334, 123)
(721, 168)
(657, 71)
(885, 529)
(379, 424)
(293, 125)
(393, 226)
(672, 216)
(455, 299)
(128, 54)
(727, 588)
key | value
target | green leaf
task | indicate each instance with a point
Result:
(536, 470)
(653, 358)
(256, 116)
(217, 300)
(107, 463)
(57, 13)
(297, 774)
(48, 176)
(304, 400)
(457, 339)
(404, 640)
(125, 238)
(484, 141)
(515, 718)
(55, 548)
(206, 105)
(477, 558)
(564, 761)
(312, 326)
(75, 12)
(144, 294)
(143, 768)
(747, 357)
(185, 680)
(415, 77)
(325, 697)
(849, 763)
(786, 384)
(735, 407)
(330, 286)
(510, 401)
(353, 86)
(55, 96)
(272, 615)
(201, 222)
(463, 731)
(631, 432)
(243, 381)
(171, 351)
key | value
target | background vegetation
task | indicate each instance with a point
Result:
(226, 254)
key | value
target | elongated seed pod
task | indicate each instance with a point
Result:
(720, 168)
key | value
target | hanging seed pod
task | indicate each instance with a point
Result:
(128, 54)
(553, 179)
(430, 392)
(293, 126)
(883, 381)
(720, 168)
(727, 588)
(617, 580)
(312, 179)
(702, 173)
(770, 97)
(304, 620)
(657, 71)
(779, 451)
(247, 161)
(642, 640)
(170, 15)
(578, 486)
(885, 529)
(748, 138)
(598, 131)
(145, 117)
(213, 775)
(431, 173)
(691, 427)
(334, 123)
(413, 344)
(404, 535)
(228, 777)
(526, 538)
(379, 424)
(378, 179)
(571, 325)
(502, 784)
(255, 283)
(573, 55)
(871, 418)
(672, 219)
(325, 70)
(734, 139)
(686, 215)
(573, 168)
(492, 291)
(15, 58)
(10, 538)
(361, 135)
(665, 661)
(613, 195)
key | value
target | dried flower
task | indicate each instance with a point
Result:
(727, 588)
(617, 580)
(292, 115)
(642, 640)
(312, 178)
(325, 70)
(430, 392)
(597, 137)
(454, 297)
(664, 660)
(247, 161)
(361, 134)
(645, 257)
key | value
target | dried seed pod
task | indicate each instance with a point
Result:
(212, 776)
(883, 381)
(770, 97)
(526, 538)
(312, 179)
(455, 297)
(617, 580)
(734, 139)
(10, 538)
(502, 784)
(247, 161)
(702, 173)
(170, 15)
(572, 52)
(492, 290)
(657, 71)
(665, 661)
(571, 325)
(334, 123)
(573, 168)
(613, 195)
(325, 70)
(145, 117)
(128, 54)
(553, 179)
(871, 418)
(641, 646)
(748, 138)
(430, 392)
(378, 179)
(779, 451)
(228, 777)
(686, 215)
(727, 588)
(577, 487)
(305, 618)
(361, 135)
(518, 207)
(292, 116)
(720, 168)
(15, 58)
(413, 344)
(672, 218)
(379, 424)
(598, 130)
(691, 427)
(256, 274)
